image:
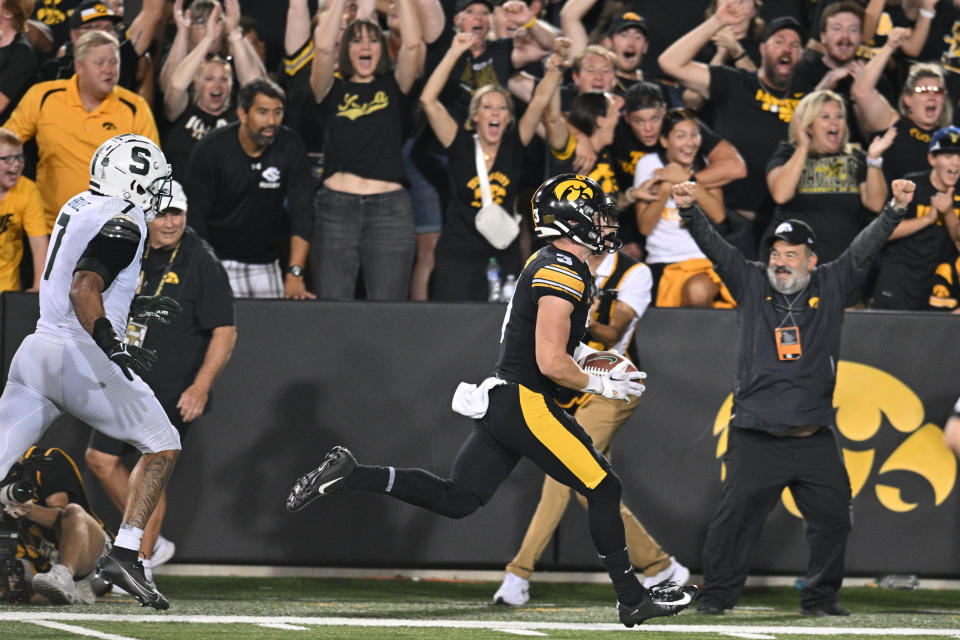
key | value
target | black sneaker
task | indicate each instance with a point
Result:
(129, 576)
(825, 609)
(322, 481)
(664, 599)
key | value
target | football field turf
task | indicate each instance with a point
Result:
(368, 609)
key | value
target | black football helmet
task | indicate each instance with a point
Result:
(574, 206)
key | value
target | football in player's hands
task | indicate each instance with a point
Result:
(606, 362)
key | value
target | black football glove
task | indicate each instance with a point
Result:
(132, 358)
(159, 308)
(128, 357)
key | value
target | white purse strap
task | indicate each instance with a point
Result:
(485, 196)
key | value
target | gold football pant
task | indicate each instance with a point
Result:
(601, 418)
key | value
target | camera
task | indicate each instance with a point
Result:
(13, 585)
(17, 491)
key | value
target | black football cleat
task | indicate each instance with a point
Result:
(129, 576)
(326, 479)
(664, 599)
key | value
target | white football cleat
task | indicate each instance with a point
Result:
(676, 572)
(514, 591)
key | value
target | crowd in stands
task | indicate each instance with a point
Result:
(349, 155)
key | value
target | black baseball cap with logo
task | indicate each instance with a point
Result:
(793, 232)
(92, 10)
(628, 20)
(945, 140)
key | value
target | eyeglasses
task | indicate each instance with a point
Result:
(927, 88)
(15, 158)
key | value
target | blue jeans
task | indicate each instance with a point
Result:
(372, 232)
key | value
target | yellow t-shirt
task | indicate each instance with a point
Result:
(21, 209)
(68, 135)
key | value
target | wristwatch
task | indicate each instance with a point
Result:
(295, 270)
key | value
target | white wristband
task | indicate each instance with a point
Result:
(874, 163)
(928, 13)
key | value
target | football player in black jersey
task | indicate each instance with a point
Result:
(515, 411)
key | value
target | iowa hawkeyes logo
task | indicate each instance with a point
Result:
(864, 397)
(573, 189)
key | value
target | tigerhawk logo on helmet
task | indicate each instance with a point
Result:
(132, 168)
(574, 206)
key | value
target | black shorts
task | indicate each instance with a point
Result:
(114, 447)
(524, 423)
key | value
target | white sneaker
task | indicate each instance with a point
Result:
(56, 585)
(514, 591)
(85, 590)
(676, 572)
(163, 550)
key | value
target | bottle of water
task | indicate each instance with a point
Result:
(509, 287)
(493, 281)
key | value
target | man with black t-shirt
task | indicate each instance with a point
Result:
(246, 183)
(929, 234)
(781, 432)
(752, 109)
(179, 264)
(489, 61)
(835, 68)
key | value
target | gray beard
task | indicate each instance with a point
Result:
(791, 286)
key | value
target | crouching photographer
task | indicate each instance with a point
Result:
(57, 537)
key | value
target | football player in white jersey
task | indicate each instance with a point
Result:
(76, 361)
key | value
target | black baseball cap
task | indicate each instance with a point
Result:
(781, 23)
(463, 4)
(92, 10)
(793, 232)
(628, 20)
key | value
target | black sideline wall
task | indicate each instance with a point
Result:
(379, 378)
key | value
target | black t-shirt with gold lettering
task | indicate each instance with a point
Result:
(753, 118)
(364, 129)
(627, 149)
(907, 265)
(908, 153)
(186, 131)
(827, 197)
(459, 232)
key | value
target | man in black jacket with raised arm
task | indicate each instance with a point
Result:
(781, 429)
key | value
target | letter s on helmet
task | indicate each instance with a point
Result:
(132, 168)
(565, 206)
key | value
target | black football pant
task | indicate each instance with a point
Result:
(522, 423)
(759, 466)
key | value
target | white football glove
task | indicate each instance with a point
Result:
(617, 385)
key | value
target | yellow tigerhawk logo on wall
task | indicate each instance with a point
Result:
(863, 397)
(573, 189)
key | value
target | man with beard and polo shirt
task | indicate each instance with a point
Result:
(752, 109)
(929, 234)
(782, 429)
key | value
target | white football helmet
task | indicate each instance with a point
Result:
(132, 168)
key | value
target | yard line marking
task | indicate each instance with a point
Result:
(41, 616)
(282, 625)
(80, 631)
(750, 636)
(520, 632)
